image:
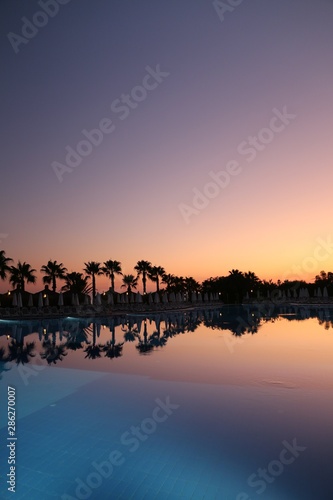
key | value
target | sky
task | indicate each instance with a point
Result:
(183, 91)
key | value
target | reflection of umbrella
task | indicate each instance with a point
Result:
(138, 298)
(60, 299)
(30, 301)
(19, 300)
(40, 300)
(14, 303)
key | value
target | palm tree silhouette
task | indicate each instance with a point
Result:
(143, 268)
(52, 352)
(94, 350)
(19, 352)
(129, 282)
(111, 349)
(52, 271)
(4, 267)
(145, 346)
(76, 283)
(93, 269)
(20, 274)
(155, 273)
(110, 268)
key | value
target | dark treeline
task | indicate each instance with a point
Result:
(235, 287)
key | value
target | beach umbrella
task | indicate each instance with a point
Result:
(30, 301)
(14, 301)
(60, 299)
(19, 300)
(178, 297)
(125, 297)
(165, 298)
(294, 294)
(138, 298)
(73, 299)
(319, 295)
(268, 294)
(306, 293)
(40, 300)
(86, 300)
(206, 297)
(150, 299)
(47, 301)
(156, 298)
(325, 293)
(247, 296)
(289, 294)
(194, 297)
(172, 297)
(199, 297)
(98, 300)
(315, 293)
(110, 298)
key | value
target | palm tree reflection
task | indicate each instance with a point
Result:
(94, 350)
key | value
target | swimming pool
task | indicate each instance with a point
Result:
(232, 403)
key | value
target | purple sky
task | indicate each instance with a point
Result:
(126, 199)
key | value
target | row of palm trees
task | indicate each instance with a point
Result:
(77, 282)
(233, 288)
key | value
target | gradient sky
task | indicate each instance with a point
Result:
(122, 201)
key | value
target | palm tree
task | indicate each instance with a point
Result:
(143, 268)
(52, 271)
(110, 268)
(93, 269)
(53, 352)
(76, 283)
(20, 352)
(4, 267)
(20, 274)
(129, 281)
(156, 272)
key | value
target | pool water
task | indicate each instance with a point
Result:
(230, 404)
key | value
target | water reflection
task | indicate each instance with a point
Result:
(57, 337)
